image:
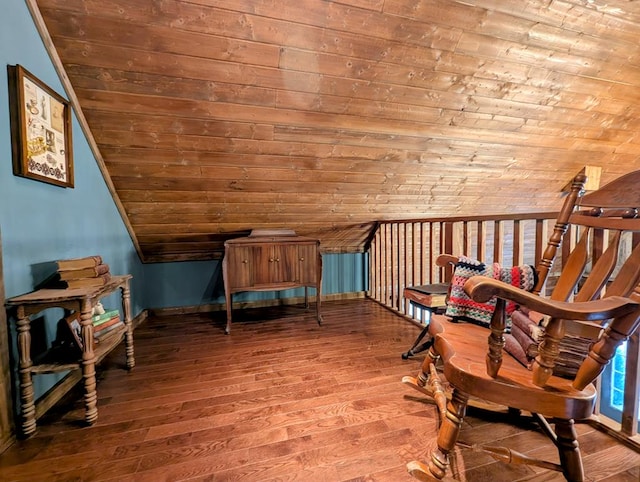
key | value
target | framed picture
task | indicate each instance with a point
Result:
(40, 130)
(75, 329)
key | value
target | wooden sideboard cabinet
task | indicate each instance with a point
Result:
(271, 263)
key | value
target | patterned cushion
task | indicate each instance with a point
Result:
(461, 307)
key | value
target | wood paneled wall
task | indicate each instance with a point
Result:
(217, 116)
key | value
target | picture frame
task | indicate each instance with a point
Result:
(40, 130)
(75, 329)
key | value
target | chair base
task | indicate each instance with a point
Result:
(452, 405)
(421, 472)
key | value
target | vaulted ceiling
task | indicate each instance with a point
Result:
(214, 117)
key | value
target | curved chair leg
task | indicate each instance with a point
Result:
(569, 450)
(447, 437)
(420, 382)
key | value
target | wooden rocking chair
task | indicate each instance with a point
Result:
(472, 356)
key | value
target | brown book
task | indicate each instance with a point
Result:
(92, 272)
(102, 333)
(79, 263)
(98, 330)
(432, 295)
(97, 281)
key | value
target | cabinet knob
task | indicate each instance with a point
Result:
(301, 258)
(270, 260)
(245, 261)
(277, 260)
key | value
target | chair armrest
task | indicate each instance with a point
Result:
(445, 259)
(482, 288)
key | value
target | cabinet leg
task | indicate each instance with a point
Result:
(88, 364)
(27, 402)
(228, 301)
(319, 288)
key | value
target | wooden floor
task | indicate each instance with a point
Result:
(280, 399)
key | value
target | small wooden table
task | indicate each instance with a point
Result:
(81, 300)
(429, 298)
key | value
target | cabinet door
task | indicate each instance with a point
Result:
(263, 259)
(241, 266)
(307, 264)
(286, 269)
(278, 263)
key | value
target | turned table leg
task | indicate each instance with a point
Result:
(88, 364)
(27, 402)
(128, 334)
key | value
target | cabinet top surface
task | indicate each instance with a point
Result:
(271, 239)
(48, 295)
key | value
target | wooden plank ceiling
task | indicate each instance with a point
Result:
(214, 117)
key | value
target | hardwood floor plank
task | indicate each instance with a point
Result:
(281, 398)
(598, 465)
(632, 475)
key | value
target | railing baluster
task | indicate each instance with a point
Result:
(498, 241)
(431, 253)
(388, 296)
(422, 256)
(395, 273)
(465, 238)
(374, 267)
(480, 248)
(405, 267)
(417, 275)
(631, 404)
(541, 237)
(449, 245)
(518, 244)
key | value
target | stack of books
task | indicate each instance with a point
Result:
(102, 324)
(86, 272)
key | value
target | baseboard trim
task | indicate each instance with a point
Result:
(613, 429)
(141, 318)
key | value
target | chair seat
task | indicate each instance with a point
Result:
(462, 347)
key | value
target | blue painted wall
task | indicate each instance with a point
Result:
(41, 222)
(200, 282)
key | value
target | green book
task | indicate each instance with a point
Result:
(106, 316)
